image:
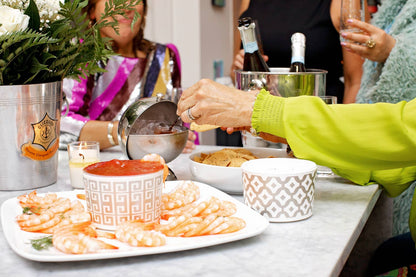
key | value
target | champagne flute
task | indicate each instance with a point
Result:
(328, 99)
(351, 9)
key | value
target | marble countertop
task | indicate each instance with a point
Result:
(318, 246)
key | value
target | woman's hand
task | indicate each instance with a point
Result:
(374, 43)
(208, 102)
(239, 60)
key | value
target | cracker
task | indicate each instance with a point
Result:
(202, 128)
(228, 157)
(237, 162)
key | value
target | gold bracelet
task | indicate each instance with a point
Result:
(110, 133)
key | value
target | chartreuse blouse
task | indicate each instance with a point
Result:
(365, 143)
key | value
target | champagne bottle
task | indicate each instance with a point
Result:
(297, 63)
(298, 53)
(253, 61)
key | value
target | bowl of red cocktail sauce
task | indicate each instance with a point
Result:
(120, 190)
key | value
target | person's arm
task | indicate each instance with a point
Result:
(359, 138)
(352, 75)
(76, 125)
(95, 130)
(352, 63)
(368, 142)
(176, 69)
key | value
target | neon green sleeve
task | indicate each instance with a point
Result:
(362, 142)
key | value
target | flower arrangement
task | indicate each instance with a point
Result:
(49, 40)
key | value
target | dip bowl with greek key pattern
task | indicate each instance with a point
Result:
(112, 199)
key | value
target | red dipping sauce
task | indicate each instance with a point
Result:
(123, 168)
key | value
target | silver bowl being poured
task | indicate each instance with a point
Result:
(144, 129)
(169, 146)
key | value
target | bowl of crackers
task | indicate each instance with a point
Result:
(221, 168)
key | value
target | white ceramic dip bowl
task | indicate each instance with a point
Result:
(280, 189)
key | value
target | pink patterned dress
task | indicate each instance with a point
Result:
(106, 96)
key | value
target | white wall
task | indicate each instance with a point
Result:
(203, 33)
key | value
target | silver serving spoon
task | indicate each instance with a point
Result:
(174, 123)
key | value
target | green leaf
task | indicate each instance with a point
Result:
(42, 243)
(67, 48)
(33, 12)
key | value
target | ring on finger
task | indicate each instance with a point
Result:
(189, 113)
(370, 43)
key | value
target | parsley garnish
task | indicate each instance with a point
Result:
(42, 243)
(27, 210)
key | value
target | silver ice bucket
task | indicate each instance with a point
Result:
(279, 81)
(30, 120)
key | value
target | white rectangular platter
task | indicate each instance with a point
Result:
(19, 240)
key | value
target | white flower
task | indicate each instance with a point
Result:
(48, 9)
(12, 20)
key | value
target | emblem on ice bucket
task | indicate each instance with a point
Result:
(44, 143)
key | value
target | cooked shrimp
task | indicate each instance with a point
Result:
(193, 209)
(214, 204)
(203, 225)
(45, 225)
(32, 199)
(59, 206)
(63, 212)
(166, 214)
(104, 234)
(185, 227)
(77, 206)
(157, 158)
(79, 239)
(188, 226)
(203, 208)
(214, 224)
(70, 217)
(234, 224)
(227, 208)
(137, 233)
(26, 220)
(185, 193)
(230, 224)
(174, 222)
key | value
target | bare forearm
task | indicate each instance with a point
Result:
(97, 131)
(350, 93)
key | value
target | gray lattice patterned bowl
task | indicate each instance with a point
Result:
(280, 189)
